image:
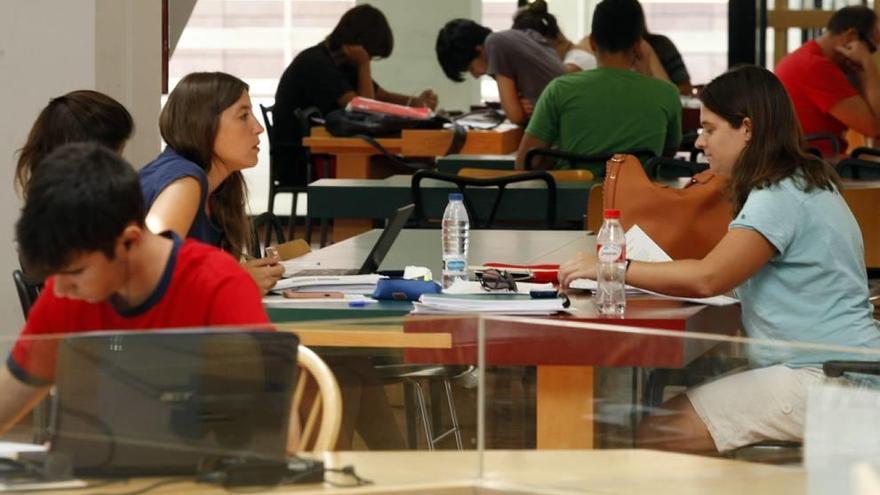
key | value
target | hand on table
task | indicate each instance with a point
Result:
(428, 98)
(583, 265)
(265, 272)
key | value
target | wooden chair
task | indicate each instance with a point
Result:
(577, 175)
(314, 434)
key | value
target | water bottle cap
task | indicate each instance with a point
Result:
(456, 197)
(610, 213)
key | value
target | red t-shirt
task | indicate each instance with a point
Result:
(815, 84)
(201, 286)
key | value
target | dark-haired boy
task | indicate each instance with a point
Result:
(833, 81)
(521, 62)
(611, 108)
(82, 225)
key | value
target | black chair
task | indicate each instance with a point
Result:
(855, 167)
(295, 173)
(661, 167)
(264, 227)
(823, 136)
(594, 163)
(464, 183)
(27, 290)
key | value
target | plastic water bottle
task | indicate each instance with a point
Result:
(455, 240)
(611, 266)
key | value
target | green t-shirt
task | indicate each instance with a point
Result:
(608, 110)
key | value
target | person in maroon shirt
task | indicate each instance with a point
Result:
(833, 80)
(82, 225)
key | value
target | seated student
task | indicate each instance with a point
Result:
(83, 225)
(78, 116)
(535, 16)
(833, 81)
(195, 187)
(331, 73)
(521, 62)
(794, 254)
(611, 108)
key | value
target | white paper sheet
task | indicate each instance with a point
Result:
(473, 287)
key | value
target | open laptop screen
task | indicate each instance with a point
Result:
(161, 402)
(386, 240)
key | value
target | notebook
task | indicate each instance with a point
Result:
(377, 254)
(161, 402)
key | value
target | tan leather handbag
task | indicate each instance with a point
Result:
(687, 223)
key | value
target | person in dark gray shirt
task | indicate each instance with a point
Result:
(521, 62)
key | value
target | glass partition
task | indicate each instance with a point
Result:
(511, 405)
(229, 405)
(673, 399)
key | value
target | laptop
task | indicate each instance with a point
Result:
(377, 254)
(163, 402)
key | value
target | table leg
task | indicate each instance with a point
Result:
(565, 407)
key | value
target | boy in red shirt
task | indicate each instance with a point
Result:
(83, 226)
(833, 80)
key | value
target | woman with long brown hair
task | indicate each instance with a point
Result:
(79, 116)
(794, 255)
(195, 187)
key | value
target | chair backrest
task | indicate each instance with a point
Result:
(263, 227)
(27, 291)
(661, 167)
(857, 168)
(577, 175)
(594, 163)
(818, 137)
(288, 159)
(465, 184)
(318, 393)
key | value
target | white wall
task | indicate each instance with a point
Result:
(48, 48)
(413, 65)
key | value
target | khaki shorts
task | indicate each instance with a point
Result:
(757, 405)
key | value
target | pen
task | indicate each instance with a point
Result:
(359, 304)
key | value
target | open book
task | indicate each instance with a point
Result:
(640, 247)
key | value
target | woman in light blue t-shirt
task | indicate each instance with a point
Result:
(794, 256)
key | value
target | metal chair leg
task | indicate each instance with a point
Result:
(453, 415)
(291, 222)
(324, 227)
(423, 413)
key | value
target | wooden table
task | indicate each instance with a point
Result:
(353, 156)
(564, 357)
(379, 198)
(609, 472)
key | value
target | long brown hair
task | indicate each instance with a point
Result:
(78, 116)
(189, 123)
(775, 150)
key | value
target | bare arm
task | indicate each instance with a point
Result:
(175, 208)
(529, 142)
(861, 112)
(738, 256)
(17, 399)
(648, 63)
(509, 96)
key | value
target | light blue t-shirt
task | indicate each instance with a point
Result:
(815, 288)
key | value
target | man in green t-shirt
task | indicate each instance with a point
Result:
(611, 108)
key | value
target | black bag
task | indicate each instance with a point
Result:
(344, 123)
